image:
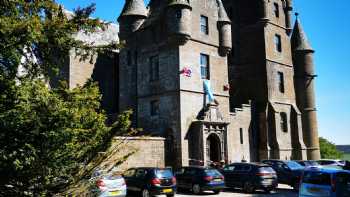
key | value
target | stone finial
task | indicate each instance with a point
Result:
(299, 39)
(134, 8)
(222, 13)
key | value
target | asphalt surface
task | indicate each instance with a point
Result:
(282, 191)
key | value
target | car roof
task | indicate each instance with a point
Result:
(252, 164)
(199, 167)
(326, 170)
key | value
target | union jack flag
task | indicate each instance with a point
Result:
(187, 72)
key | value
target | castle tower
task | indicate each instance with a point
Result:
(131, 18)
(179, 19)
(261, 70)
(224, 25)
(304, 89)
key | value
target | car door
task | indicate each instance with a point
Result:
(180, 175)
(140, 180)
(228, 173)
(189, 177)
(236, 179)
(342, 184)
(285, 173)
(129, 177)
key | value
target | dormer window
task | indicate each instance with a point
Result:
(204, 25)
(276, 10)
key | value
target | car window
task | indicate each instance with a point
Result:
(229, 168)
(247, 168)
(163, 173)
(190, 171)
(129, 173)
(140, 173)
(212, 172)
(317, 178)
(180, 171)
(294, 165)
(266, 169)
(238, 168)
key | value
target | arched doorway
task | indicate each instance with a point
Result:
(214, 148)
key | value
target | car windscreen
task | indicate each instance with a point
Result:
(212, 172)
(294, 165)
(317, 178)
(266, 169)
(163, 173)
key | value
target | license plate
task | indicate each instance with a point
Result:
(115, 193)
(167, 190)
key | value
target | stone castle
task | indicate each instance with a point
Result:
(216, 79)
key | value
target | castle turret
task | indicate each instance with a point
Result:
(224, 26)
(179, 20)
(131, 18)
(288, 10)
(304, 88)
(264, 10)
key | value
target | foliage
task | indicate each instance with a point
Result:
(329, 150)
(47, 134)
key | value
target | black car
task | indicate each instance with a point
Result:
(150, 181)
(288, 172)
(200, 179)
(250, 177)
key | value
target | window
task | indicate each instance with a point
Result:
(204, 25)
(280, 81)
(278, 43)
(204, 61)
(241, 135)
(155, 108)
(276, 10)
(154, 68)
(284, 121)
(178, 14)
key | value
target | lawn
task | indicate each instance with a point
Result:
(347, 156)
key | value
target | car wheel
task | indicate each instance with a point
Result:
(170, 195)
(268, 190)
(216, 191)
(145, 193)
(248, 187)
(196, 189)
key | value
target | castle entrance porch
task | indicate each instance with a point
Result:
(208, 137)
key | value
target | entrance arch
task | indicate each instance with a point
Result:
(214, 148)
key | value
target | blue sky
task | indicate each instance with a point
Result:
(328, 28)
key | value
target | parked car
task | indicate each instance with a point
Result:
(320, 182)
(108, 184)
(288, 172)
(150, 181)
(309, 163)
(330, 163)
(250, 177)
(199, 179)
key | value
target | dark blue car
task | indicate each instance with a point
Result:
(150, 181)
(288, 172)
(199, 179)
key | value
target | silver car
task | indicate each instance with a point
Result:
(108, 185)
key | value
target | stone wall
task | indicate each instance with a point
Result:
(147, 152)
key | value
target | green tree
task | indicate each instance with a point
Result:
(329, 150)
(47, 135)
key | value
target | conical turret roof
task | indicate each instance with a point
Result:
(134, 8)
(184, 3)
(222, 12)
(299, 39)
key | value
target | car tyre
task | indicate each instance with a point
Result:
(170, 195)
(145, 193)
(196, 189)
(248, 188)
(216, 191)
(268, 190)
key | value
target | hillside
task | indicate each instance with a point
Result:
(344, 148)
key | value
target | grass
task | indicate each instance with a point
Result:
(347, 156)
